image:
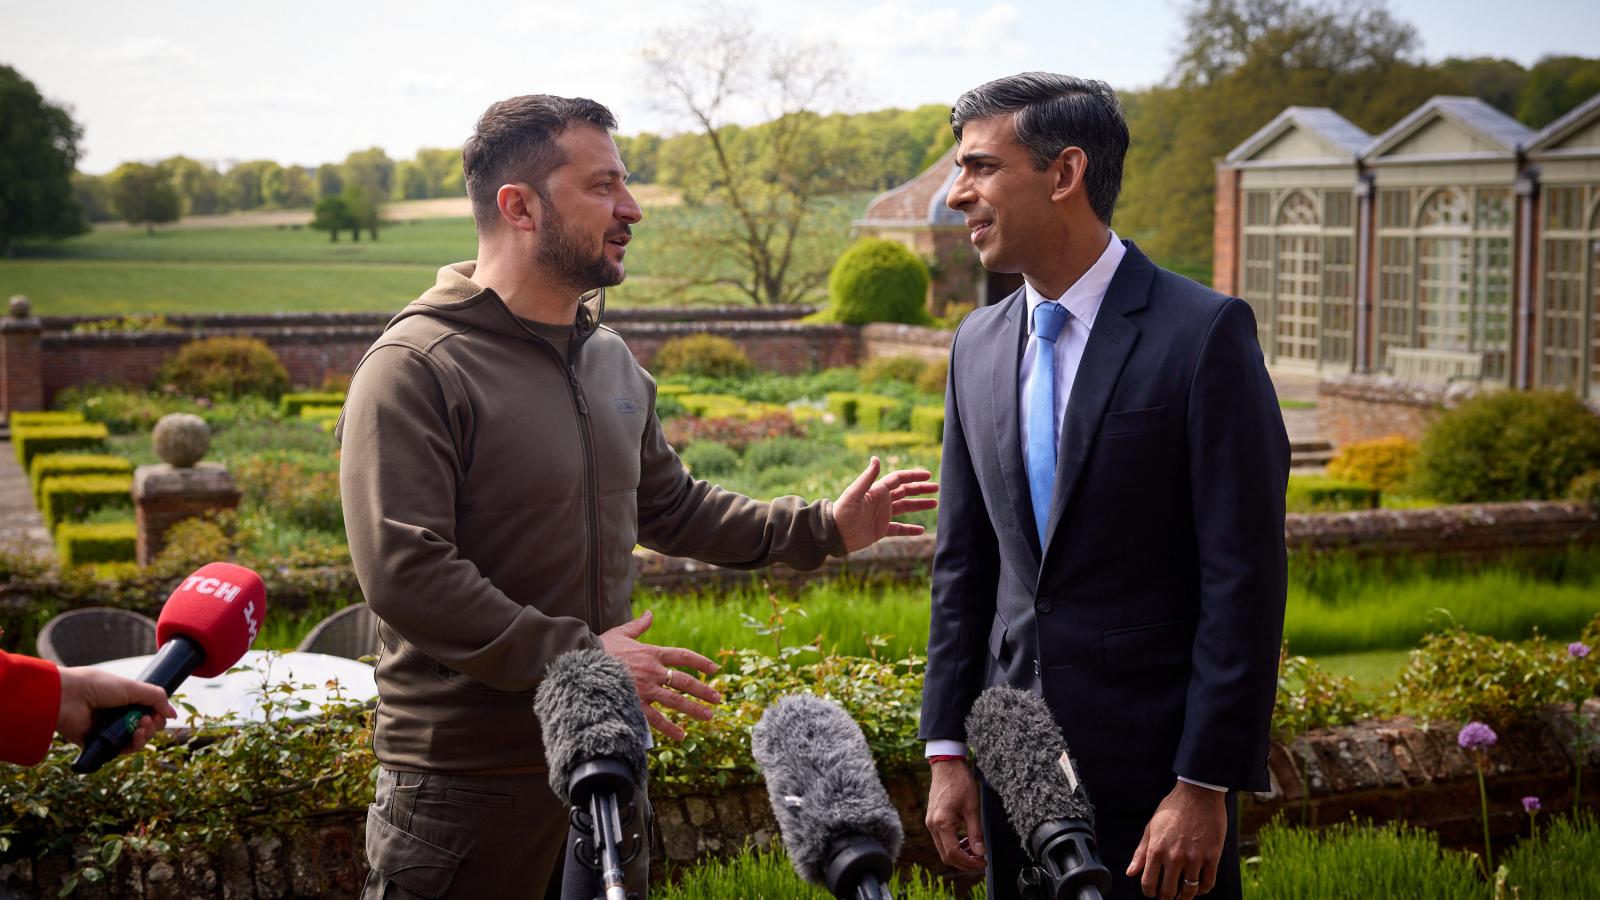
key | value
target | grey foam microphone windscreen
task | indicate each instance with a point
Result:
(822, 782)
(588, 709)
(1020, 749)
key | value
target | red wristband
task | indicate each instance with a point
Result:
(946, 757)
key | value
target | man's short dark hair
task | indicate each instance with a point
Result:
(515, 141)
(1055, 112)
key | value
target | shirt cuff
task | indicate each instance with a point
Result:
(945, 748)
(1214, 787)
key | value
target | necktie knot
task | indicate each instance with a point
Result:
(1048, 318)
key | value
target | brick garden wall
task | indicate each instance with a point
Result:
(1392, 770)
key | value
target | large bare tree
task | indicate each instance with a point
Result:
(761, 187)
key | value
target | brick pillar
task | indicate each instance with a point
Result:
(21, 378)
(1225, 233)
(164, 495)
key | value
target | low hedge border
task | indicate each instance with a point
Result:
(49, 465)
(32, 440)
(73, 498)
(80, 543)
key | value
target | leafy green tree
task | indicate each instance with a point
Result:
(1555, 85)
(443, 168)
(411, 181)
(293, 188)
(329, 181)
(143, 195)
(38, 150)
(333, 216)
(199, 185)
(364, 208)
(765, 184)
(93, 197)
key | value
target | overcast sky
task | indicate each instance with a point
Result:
(308, 82)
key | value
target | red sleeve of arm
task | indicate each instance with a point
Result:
(30, 702)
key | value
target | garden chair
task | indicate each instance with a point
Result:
(83, 637)
(351, 632)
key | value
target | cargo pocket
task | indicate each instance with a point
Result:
(407, 862)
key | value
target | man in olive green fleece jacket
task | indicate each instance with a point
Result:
(501, 459)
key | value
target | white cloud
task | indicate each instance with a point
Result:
(898, 27)
(141, 51)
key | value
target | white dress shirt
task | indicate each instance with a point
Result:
(1082, 300)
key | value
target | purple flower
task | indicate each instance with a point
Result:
(1530, 805)
(1577, 649)
(1476, 736)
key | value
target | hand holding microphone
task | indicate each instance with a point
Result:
(206, 626)
(1024, 758)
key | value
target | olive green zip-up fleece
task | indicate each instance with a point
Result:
(493, 494)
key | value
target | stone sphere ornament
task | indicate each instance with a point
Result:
(181, 439)
(21, 307)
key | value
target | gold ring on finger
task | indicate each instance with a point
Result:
(668, 682)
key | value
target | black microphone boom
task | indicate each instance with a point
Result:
(838, 825)
(113, 729)
(594, 730)
(1024, 758)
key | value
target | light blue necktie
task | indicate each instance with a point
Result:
(1048, 319)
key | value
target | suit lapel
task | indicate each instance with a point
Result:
(1007, 402)
(1110, 343)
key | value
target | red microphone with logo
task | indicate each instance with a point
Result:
(205, 628)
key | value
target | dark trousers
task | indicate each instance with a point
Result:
(476, 836)
(1117, 836)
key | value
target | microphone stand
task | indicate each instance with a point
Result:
(859, 870)
(604, 787)
(1069, 866)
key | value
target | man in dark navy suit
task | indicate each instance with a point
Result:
(1111, 534)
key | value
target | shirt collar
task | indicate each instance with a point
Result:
(1084, 297)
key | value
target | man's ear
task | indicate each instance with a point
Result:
(515, 210)
(1070, 167)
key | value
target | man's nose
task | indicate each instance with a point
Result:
(629, 210)
(960, 193)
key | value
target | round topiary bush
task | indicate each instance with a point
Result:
(709, 459)
(876, 280)
(1384, 463)
(1508, 445)
(226, 367)
(702, 354)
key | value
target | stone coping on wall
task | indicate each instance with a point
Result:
(918, 335)
(233, 321)
(1383, 770)
(1388, 389)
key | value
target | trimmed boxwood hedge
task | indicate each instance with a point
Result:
(25, 419)
(78, 543)
(858, 409)
(1319, 493)
(48, 465)
(289, 405)
(928, 420)
(72, 498)
(32, 440)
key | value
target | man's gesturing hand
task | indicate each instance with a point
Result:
(865, 511)
(1182, 844)
(655, 681)
(953, 808)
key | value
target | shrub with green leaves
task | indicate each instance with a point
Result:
(1458, 676)
(1319, 493)
(933, 378)
(1509, 445)
(26, 418)
(1384, 463)
(708, 459)
(80, 543)
(1585, 488)
(800, 453)
(858, 409)
(47, 465)
(928, 421)
(295, 490)
(734, 432)
(226, 367)
(289, 405)
(73, 498)
(878, 280)
(885, 441)
(905, 369)
(1310, 697)
(33, 440)
(702, 354)
(1357, 861)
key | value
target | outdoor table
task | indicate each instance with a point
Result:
(235, 697)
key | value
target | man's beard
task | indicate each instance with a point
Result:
(562, 253)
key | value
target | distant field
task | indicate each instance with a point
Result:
(235, 267)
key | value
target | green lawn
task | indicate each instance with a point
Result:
(112, 271)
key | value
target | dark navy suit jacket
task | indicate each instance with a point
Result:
(1151, 618)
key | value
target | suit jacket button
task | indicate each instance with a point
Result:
(1043, 605)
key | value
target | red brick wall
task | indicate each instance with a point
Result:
(1225, 233)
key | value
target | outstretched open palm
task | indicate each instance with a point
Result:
(866, 510)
